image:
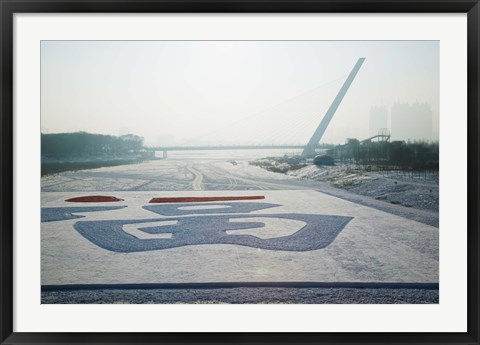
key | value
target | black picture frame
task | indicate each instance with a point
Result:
(9, 8)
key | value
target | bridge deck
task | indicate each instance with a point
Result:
(225, 147)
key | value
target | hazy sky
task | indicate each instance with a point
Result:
(188, 92)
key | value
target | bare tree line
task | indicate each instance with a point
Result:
(82, 144)
(411, 155)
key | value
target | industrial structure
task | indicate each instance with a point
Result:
(378, 119)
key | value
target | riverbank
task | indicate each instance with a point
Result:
(419, 190)
(50, 167)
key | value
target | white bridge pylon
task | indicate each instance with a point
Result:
(309, 149)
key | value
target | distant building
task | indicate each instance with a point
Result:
(411, 122)
(378, 120)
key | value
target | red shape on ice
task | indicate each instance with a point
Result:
(205, 199)
(94, 198)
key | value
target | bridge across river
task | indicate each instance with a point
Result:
(308, 149)
(165, 149)
(226, 147)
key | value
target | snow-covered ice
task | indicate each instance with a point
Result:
(373, 246)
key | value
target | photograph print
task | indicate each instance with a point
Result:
(240, 172)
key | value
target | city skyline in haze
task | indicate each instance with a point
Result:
(200, 92)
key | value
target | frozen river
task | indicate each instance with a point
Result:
(301, 231)
(210, 171)
(182, 171)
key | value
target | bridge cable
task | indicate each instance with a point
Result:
(237, 122)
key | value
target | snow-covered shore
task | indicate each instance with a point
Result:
(411, 189)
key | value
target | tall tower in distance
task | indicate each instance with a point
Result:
(411, 122)
(378, 119)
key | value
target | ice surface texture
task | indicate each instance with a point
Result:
(318, 233)
(53, 214)
(224, 207)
